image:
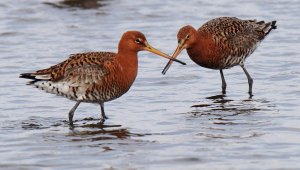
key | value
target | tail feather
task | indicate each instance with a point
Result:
(27, 76)
(34, 77)
(273, 24)
(269, 27)
(43, 82)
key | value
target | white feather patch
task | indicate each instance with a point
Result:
(43, 77)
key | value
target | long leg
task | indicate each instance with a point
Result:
(103, 116)
(71, 112)
(223, 82)
(250, 80)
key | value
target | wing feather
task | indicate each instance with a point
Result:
(235, 35)
(78, 69)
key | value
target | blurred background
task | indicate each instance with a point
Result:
(176, 121)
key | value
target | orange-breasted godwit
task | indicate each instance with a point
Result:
(95, 77)
(222, 43)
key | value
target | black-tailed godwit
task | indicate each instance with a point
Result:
(222, 43)
(95, 77)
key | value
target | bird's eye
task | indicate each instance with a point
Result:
(188, 37)
(138, 41)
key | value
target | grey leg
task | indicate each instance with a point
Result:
(250, 80)
(223, 82)
(71, 113)
(103, 116)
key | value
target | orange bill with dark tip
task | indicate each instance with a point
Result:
(151, 49)
(179, 48)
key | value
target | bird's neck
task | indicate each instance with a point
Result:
(202, 52)
(128, 58)
(197, 50)
(128, 64)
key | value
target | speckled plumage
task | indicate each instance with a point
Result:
(222, 43)
(85, 77)
(94, 77)
(232, 40)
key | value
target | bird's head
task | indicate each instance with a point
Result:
(186, 37)
(135, 41)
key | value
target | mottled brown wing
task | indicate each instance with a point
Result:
(83, 75)
(236, 34)
(56, 71)
(80, 68)
(229, 31)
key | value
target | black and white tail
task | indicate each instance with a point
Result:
(267, 27)
(43, 82)
(61, 88)
(35, 78)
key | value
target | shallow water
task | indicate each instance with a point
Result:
(176, 121)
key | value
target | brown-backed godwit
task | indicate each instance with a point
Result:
(95, 77)
(222, 43)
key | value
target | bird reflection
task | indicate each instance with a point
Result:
(83, 4)
(222, 106)
(100, 134)
(90, 129)
(222, 117)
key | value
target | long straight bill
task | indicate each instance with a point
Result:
(156, 51)
(176, 53)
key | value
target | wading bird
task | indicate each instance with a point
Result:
(95, 77)
(222, 43)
